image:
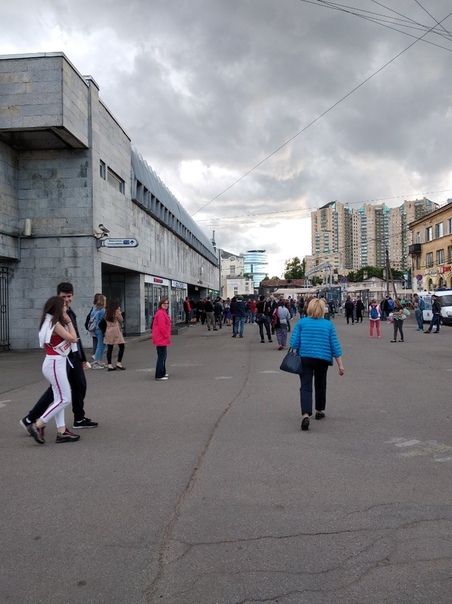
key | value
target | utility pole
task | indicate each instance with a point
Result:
(389, 276)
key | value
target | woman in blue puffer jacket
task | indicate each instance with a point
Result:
(316, 341)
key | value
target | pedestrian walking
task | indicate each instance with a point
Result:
(239, 318)
(76, 374)
(359, 309)
(436, 315)
(374, 318)
(349, 310)
(398, 317)
(208, 307)
(161, 338)
(419, 307)
(113, 334)
(263, 315)
(281, 317)
(56, 334)
(316, 341)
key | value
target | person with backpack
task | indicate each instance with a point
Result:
(88, 322)
(95, 325)
(374, 318)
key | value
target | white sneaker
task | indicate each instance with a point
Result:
(161, 379)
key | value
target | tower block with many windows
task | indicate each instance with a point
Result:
(351, 238)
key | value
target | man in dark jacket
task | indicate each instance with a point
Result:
(239, 320)
(349, 308)
(208, 307)
(263, 316)
(359, 309)
(217, 312)
(436, 315)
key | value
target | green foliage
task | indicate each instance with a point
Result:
(365, 272)
(294, 268)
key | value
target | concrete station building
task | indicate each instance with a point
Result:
(66, 167)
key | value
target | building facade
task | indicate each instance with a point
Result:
(256, 265)
(66, 167)
(431, 249)
(233, 280)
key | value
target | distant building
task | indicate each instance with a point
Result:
(233, 280)
(256, 265)
(431, 249)
(352, 238)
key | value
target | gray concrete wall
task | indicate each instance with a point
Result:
(63, 194)
(43, 91)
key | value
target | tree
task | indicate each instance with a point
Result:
(294, 269)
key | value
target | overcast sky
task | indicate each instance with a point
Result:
(263, 92)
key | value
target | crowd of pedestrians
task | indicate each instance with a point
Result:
(314, 337)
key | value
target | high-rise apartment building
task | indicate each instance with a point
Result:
(352, 238)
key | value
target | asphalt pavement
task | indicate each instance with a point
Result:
(203, 490)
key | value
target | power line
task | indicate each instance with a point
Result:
(309, 209)
(315, 120)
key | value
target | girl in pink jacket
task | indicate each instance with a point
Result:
(161, 332)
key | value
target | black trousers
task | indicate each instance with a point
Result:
(313, 369)
(77, 380)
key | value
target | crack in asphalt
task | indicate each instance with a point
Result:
(166, 538)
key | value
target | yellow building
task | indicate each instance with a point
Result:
(431, 249)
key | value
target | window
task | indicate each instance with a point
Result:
(449, 226)
(103, 170)
(439, 256)
(418, 262)
(449, 254)
(115, 180)
(417, 237)
(232, 269)
(429, 234)
(429, 260)
(439, 230)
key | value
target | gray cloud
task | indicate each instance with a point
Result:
(212, 88)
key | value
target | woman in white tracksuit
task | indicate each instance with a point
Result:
(56, 334)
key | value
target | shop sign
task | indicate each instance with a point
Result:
(445, 269)
(178, 285)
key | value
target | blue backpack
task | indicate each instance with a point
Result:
(374, 312)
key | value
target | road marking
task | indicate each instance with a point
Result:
(224, 377)
(2, 403)
(408, 443)
(269, 371)
(422, 449)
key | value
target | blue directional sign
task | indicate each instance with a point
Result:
(129, 242)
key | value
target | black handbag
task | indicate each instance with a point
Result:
(291, 362)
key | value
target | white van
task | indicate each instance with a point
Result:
(445, 297)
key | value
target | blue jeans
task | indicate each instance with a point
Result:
(317, 369)
(238, 321)
(418, 314)
(100, 348)
(160, 368)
